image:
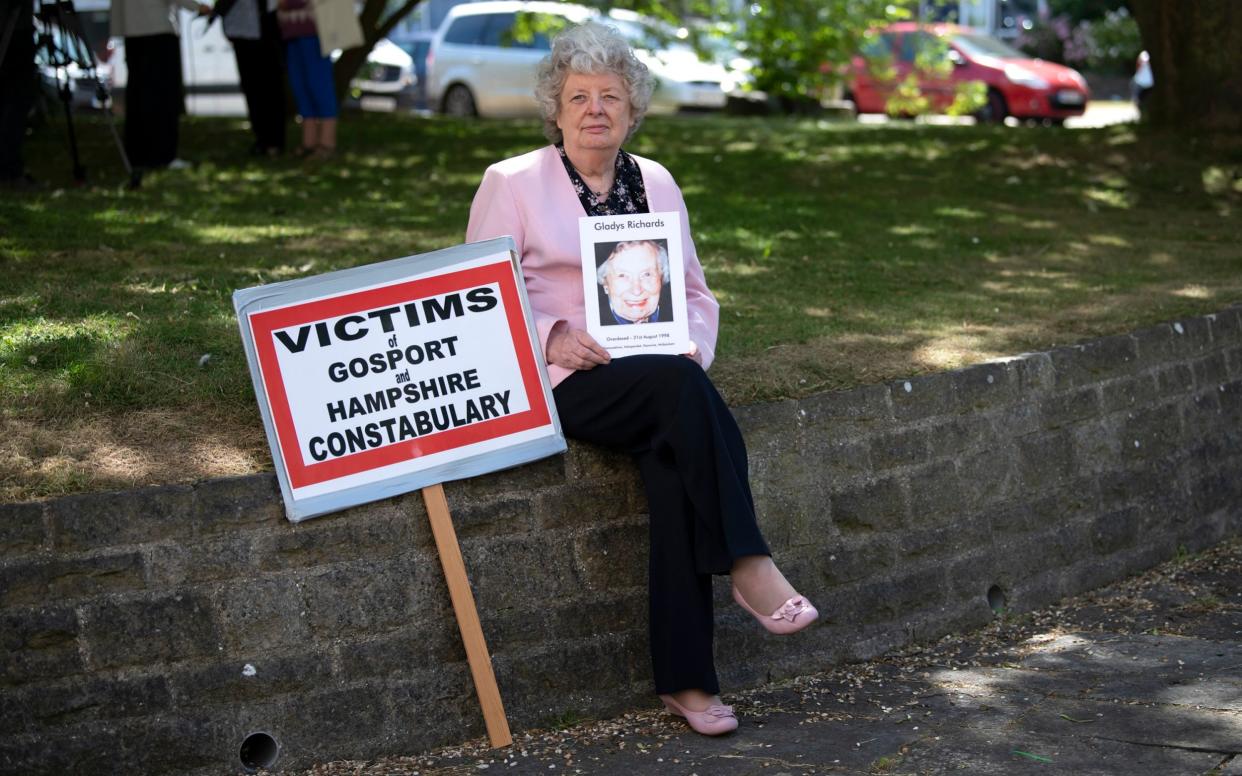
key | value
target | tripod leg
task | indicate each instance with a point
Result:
(66, 97)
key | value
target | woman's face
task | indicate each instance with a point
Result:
(595, 112)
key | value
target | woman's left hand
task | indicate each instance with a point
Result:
(693, 353)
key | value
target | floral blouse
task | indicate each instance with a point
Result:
(626, 196)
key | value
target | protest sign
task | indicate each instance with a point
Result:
(633, 283)
(390, 377)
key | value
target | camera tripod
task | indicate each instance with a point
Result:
(63, 42)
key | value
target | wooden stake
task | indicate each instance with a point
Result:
(467, 616)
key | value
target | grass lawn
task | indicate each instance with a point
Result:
(841, 254)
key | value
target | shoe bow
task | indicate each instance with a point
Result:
(791, 609)
(720, 711)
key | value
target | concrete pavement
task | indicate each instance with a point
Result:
(1141, 677)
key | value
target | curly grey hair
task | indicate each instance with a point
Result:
(661, 253)
(592, 48)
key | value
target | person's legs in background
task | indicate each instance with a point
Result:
(17, 89)
(153, 100)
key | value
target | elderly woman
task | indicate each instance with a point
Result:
(662, 409)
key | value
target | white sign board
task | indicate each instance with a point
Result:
(634, 283)
(390, 377)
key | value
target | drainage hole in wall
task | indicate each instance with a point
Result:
(997, 600)
(259, 750)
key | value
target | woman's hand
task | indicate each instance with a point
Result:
(693, 353)
(574, 348)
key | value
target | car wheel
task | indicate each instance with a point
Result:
(458, 101)
(995, 110)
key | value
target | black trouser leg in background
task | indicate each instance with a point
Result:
(665, 411)
(261, 67)
(153, 99)
(17, 84)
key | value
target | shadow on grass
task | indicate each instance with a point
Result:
(841, 254)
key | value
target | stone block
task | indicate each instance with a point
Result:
(855, 558)
(1211, 370)
(578, 504)
(1157, 345)
(403, 654)
(1069, 407)
(21, 529)
(92, 698)
(97, 520)
(146, 629)
(937, 494)
(90, 750)
(1192, 336)
(534, 476)
(336, 539)
(928, 396)
(1150, 433)
(987, 478)
(966, 535)
(905, 593)
(1045, 459)
(1128, 393)
(172, 564)
(1033, 374)
(64, 579)
(245, 679)
(314, 725)
(1093, 361)
(230, 503)
(587, 462)
(1201, 419)
(370, 596)
(530, 677)
(262, 614)
(1096, 447)
(38, 644)
(1233, 358)
(504, 571)
(835, 460)
(863, 408)
(431, 709)
(501, 514)
(899, 448)
(1174, 380)
(953, 437)
(1114, 531)
(985, 386)
(1226, 326)
(613, 557)
(875, 506)
(624, 612)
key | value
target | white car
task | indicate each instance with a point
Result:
(478, 66)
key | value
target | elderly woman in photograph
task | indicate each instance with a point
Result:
(662, 409)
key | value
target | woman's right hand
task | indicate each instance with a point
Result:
(574, 348)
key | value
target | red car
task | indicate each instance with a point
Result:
(1017, 85)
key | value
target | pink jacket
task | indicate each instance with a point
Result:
(530, 198)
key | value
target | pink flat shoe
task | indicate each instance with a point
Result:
(793, 616)
(717, 720)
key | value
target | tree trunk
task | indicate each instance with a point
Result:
(375, 25)
(1196, 59)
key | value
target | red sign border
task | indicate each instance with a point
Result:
(300, 474)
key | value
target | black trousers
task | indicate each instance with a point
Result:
(665, 412)
(261, 67)
(153, 99)
(17, 83)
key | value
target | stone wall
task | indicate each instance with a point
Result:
(152, 631)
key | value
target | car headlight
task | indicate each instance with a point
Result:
(1023, 77)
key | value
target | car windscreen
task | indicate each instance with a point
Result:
(986, 46)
